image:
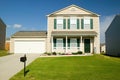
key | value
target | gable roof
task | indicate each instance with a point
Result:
(29, 34)
(73, 6)
(114, 24)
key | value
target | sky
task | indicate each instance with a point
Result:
(29, 15)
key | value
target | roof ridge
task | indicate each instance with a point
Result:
(33, 31)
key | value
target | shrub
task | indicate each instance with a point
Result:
(47, 53)
(54, 53)
(74, 53)
(79, 52)
(62, 53)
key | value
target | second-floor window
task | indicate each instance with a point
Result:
(73, 23)
(59, 23)
(87, 23)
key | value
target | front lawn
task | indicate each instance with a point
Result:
(96, 67)
(3, 53)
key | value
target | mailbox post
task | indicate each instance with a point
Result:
(24, 59)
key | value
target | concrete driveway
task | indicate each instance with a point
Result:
(10, 65)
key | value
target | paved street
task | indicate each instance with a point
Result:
(10, 65)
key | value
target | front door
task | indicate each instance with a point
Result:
(87, 45)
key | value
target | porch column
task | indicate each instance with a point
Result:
(81, 44)
(52, 43)
(66, 45)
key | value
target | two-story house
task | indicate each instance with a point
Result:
(70, 29)
(2, 34)
(73, 29)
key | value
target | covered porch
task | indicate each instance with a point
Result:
(73, 41)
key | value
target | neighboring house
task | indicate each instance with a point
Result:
(70, 29)
(2, 34)
(73, 29)
(102, 48)
(113, 37)
(28, 42)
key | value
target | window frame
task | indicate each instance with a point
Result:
(73, 21)
(87, 24)
(73, 42)
(59, 44)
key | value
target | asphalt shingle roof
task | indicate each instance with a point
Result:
(30, 34)
(76, 33)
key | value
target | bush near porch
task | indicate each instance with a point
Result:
(96, 67)
(55, 53)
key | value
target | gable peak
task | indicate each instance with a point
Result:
(72, 9)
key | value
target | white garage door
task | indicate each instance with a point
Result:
(29, 46)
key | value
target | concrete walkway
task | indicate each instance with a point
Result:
(10, 65)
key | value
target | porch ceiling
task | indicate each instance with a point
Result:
(74, 33)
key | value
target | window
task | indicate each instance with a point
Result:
(73, 42)
(73, 23)
(59, 42)
(87, 23)
(59, 23)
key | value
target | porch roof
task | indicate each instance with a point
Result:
(74, 33)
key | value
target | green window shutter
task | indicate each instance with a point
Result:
(82, 23)
(54, 41)
(64, 42)
(68, 23)
(68, 42)
(91, 23)
(78, 24)
(64, 23)
(55, 24)
(78, 42)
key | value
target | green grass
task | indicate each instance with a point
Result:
(3, 53)
(96, 67)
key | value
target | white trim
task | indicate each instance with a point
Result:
(66, 44)
(52, 43)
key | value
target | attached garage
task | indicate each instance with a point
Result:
(29, 46)
(29, 42)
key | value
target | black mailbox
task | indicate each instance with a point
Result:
(23, 59)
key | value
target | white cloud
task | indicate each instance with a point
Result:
(17, 26)
(104, 24)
